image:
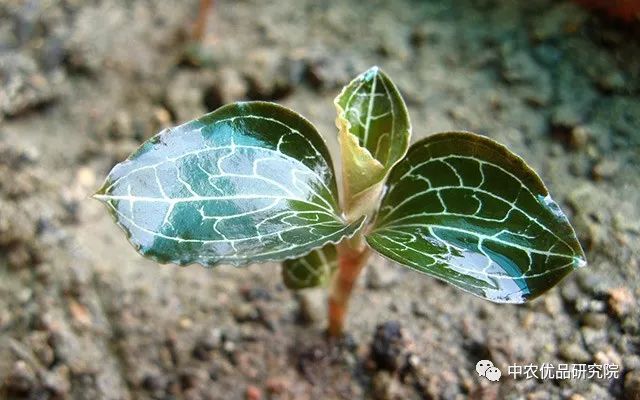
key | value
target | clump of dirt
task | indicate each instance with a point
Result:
(19, 184)
(388, 346)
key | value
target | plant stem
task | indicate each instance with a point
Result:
(201, 22)
(352, 257)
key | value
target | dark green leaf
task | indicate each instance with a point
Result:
(463, 208)
(374, 135)
(314, 269)
(250, 182)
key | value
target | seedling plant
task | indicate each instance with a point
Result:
(254, 182)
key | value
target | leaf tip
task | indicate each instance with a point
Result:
(579, 262)
(370, 73)
(99, 195)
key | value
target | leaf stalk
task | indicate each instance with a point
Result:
(352, 257)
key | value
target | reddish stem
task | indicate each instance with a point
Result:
(352, 259)
(201, 21)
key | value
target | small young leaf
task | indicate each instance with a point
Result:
(314, 269)
(250, 182)
(374, 135)
(463, 208)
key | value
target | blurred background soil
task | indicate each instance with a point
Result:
(82, 83)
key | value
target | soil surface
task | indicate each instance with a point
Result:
(83, 83)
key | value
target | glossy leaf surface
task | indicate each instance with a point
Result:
(314, 269)
(250, 182)
(463, 208)
(374, 135)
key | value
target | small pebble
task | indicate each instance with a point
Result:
(186, 323)
(381, 275)
(312, 305)
(277, 385)
(605, 169)
(574, 352)
(243, 312)
(20, 381)
(389, 346)
(419, 310)
(594, 320)
(192, 377)
(621, 301)
(632, 385)
(384, 386)
(579, 137)
(608, 356)
(253, 393)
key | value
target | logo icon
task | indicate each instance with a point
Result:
(485, 368)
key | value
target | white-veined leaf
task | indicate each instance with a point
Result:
(250, 182)
(374, 134)
(314, 269)
(463, 208)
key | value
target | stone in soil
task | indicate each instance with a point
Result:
(621, 301)
(244, 312)
(381, 275)
(312, 305)
(21, 381)
(574, 352)
(253, 393)
(384, 386)
(23, 86)
(632, 385)
(388, 349)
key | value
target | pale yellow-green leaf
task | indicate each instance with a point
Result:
(374, 134)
